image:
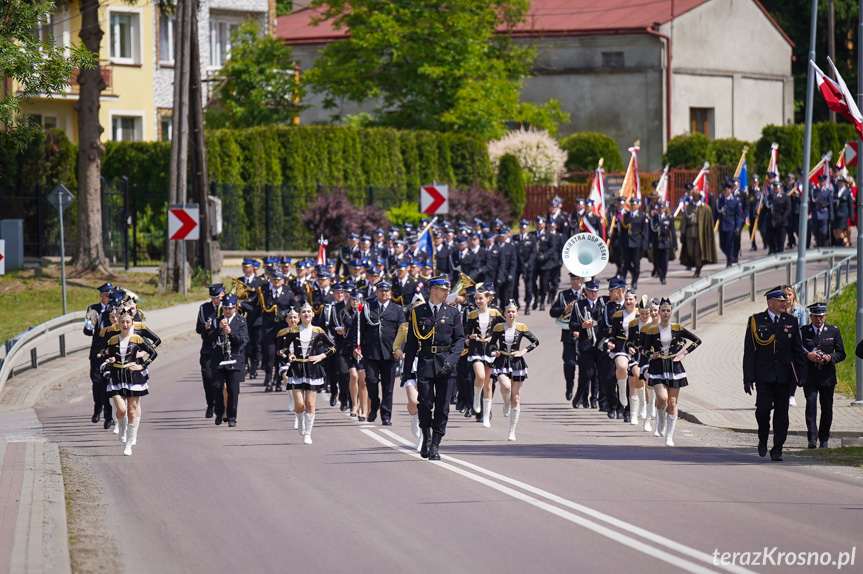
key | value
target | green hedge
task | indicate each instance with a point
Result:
(584, 150)
(49, 159)
(689, 151)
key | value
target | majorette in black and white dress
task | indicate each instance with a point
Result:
(482, 325)
(124, 351)
(668, 342)
(304, 343)
(620, 334)
(507, 341)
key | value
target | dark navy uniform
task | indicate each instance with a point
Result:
(98, 319)
(525, 250)
(778, 215)
(229, 375)
(636, 225)
(570, 350)
(663, 239)
(822, 215)
(378, 328)
(273, 307)
(729, 212)
(546, 262)
(436, 339)
(588, 374)
(506, 270)
(252, 311)
(206, 313)
(773, 361)
(821, 378)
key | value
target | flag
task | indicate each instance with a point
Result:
(822, 167)
(597, 195)
(700, 181)
(740, 172)
(837, 96)
(426, 241)
(662, 186)
(322, 251)
(840, 164)
(773, 164)
(631, 184)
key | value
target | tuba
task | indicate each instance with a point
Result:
(464, 281)
(585, 255)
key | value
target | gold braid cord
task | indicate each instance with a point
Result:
(416, 327)
(317, 309)
(272, 310)
(758, 340)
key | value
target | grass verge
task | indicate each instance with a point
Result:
(848, 456)
(27, 300)
(842, 313)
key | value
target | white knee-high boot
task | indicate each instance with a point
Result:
(669, 430)
(634, 406)
(660, 423)
(506, 405)
(291, 404)
(117, 426)
(486, 413)
(134, 438)
(300, 423)
(131, 438)
(513, 420)
(477, 399)
(651, 397)
(310, 421)
(415, 425)
(642, 398)
(122, 428)
(621, 390)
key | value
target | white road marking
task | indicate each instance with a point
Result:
(614, 535)
(637, 530)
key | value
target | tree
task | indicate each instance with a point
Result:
(794, 16)
(688, 150)
(260, 86)
(425, 65)
(510, 183)
(586, 148)
(36, 64)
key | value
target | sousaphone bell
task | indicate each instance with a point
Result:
(584, 255)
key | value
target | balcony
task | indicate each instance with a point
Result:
(106, 67)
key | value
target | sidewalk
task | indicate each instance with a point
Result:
(33, 534)
(715, 395)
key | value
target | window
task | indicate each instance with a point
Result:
(701, 121)
(125, 37)
(53, 28)
(166, 128)
(167, 38)
(46, 122)
(220, 41)
(126, 128)
(612, 59)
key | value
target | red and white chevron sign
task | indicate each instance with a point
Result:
(184, 221)
(434, 199)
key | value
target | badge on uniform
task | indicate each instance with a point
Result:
(442, 321)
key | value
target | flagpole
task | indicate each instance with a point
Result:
(807, 152)
(859, 328)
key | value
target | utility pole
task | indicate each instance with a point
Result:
(859, 327)
(175, 271)
(807, 149)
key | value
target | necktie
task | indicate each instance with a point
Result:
(776, 320)
(435, 311)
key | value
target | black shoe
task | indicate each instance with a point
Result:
(635, 285)
(776, 454)
(823, 444)
(662, 280)
(232, 423)
(812, 444)
(361, 419)
(209, 413)
(218, 420)
(353, 415)
(268, 388)
(576, 404)
(386, 422)
(762, 449)
(569, 395)
(593, 403)
(542, 306)
(611, 413)
(626, 417)
(535, 303)
(424, 452)
(527, 310)
(95, 418)
(468, 412)
(278, 387)
(435, 443)
(373, 416)
(619, 414)
(344, 406)
(753, 248)
(334, 398)
(461, 409)
(108, 423)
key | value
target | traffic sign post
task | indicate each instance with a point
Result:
(60, 197)
(434, 199)
(184, 223)
(2, 257)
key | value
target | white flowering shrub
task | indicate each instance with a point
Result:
(541, 159)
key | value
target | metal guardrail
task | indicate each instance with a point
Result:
(840, 259)
(31, 339)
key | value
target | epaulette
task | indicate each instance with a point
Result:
(676, 327)
(495, 313)
(114, 340)
(283, 332)
(317, 330)
(645, 327)
(109, 329)
(295, 329)
(634, 322)
(136, 339)
(521, 327)
(499, 328)
(618, 314)
(473, 314)
(138, 325)
(651, 330)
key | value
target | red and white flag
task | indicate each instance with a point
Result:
(322, 251)
(840, 164)
(597, 195)
(838, 98)
(662, 186)
(700, 181)
(822, 167)
(773, 164)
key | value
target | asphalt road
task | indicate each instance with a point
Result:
(576, 492)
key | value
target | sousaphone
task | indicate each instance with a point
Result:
(584, 255)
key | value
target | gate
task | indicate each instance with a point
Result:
(116, 220)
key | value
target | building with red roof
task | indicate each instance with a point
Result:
(633, 69)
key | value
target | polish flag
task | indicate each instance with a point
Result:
(662, 186)
(322, 251)
(838, 98)
(773, 164)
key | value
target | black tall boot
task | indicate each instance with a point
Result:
(426, 442)
(268, 382)
(435, 443)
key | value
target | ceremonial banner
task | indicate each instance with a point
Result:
(837, 96)
(631, 183)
